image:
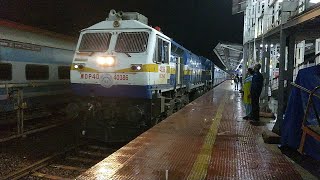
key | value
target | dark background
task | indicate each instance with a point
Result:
(198, 25)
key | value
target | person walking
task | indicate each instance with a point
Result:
(246, 93)
(255, 92)
(236, 82)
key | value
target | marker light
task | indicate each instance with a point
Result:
(106, 61)
(78, 66)
(136, 67)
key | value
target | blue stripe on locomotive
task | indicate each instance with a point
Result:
(126, 91)
(46, 55)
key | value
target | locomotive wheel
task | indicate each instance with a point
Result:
(179, 104)
(72, 110)
(155, 121)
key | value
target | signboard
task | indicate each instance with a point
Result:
(19, 45)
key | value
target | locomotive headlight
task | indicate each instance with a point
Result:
(106, 61)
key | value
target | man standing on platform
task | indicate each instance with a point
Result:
(255, 92)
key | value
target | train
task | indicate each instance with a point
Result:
(129, 76)
(34, 72)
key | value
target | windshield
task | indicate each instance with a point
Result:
(95, 42)
(132, 42)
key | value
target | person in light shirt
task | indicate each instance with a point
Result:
(246, 93)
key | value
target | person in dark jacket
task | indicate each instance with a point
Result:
(255, 92)
(236, 82)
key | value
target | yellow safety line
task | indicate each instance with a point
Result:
(200, 167)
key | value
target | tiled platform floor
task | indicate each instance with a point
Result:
(205, 140)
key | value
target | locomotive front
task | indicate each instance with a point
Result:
(110, 59)
(110, 74)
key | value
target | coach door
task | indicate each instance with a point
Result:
(178, 70)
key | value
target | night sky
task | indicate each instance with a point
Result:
(198, 25)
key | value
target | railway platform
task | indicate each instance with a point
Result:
(207, 139)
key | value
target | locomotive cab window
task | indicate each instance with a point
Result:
(37, 72)
(5, 71)
(64, 72)
(132, 42)
(95, 42)
(162, 51)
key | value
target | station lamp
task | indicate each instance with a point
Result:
(314, 1)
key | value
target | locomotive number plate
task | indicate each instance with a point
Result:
(118, 77)
(121, 77)
(90, 76)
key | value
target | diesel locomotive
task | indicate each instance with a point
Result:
(128, 76)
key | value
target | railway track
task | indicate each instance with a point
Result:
(64, 165)
(35, 125)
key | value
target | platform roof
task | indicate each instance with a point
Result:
(230, 54)
(238, 6)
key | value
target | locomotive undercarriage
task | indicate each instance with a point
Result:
(120, 119)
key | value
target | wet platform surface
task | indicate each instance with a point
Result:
(205, 140)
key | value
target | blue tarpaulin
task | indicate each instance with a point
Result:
(291, 131)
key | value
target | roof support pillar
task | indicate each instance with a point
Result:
(255, 54)
(290, 65)
(263, 61)
(266, 69)
(281, 90)
(245, 60)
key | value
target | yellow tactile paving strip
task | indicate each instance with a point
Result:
(200, 166)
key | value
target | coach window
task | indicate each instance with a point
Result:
(37, 72)
(160, 57)
(162, 51)
(166, 51)
(64, 72)
(5, 71)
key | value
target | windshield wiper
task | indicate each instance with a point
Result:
(127, 54)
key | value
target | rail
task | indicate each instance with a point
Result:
(29, 132)
(52, 162)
